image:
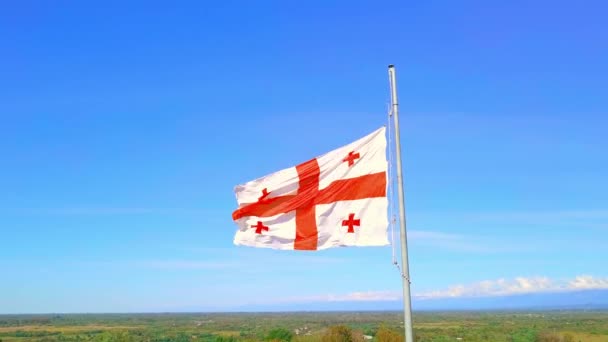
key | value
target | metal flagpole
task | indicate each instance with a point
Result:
(405, 272)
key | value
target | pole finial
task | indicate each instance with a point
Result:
(391, 66)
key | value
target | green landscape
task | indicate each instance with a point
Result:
(554, 326)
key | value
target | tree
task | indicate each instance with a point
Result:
(182, 337)
(386, 335)
(338, 333)
(225, 339)
(524, 335)
(548, 337)
(279, 334)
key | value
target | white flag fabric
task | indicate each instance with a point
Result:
(337, 199)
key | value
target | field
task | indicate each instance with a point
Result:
(335, 326)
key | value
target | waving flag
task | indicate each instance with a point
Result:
(337, 199)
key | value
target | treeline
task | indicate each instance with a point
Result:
(247, 330)
(339, 333)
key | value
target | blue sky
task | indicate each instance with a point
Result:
(126, 126)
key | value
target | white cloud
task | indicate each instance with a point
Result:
(519, 285)
(588, 282)
(485, 288)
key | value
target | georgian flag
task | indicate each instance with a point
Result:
(337, 199)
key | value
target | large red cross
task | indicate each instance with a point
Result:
(309, 195)
(351, 223)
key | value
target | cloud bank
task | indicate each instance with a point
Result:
(519, 285)
(485, 288)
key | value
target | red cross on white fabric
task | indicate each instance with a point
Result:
(265, 194)
(350, 158)
(260, 227)
(309, 195)
(351, 223)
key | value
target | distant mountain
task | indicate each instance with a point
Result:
(579, 300)
(588, 299)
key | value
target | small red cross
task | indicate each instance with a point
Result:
(351, 222)
(265, 194)
(259, 227)
(351, 158)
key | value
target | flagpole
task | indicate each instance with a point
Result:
(405, 272)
